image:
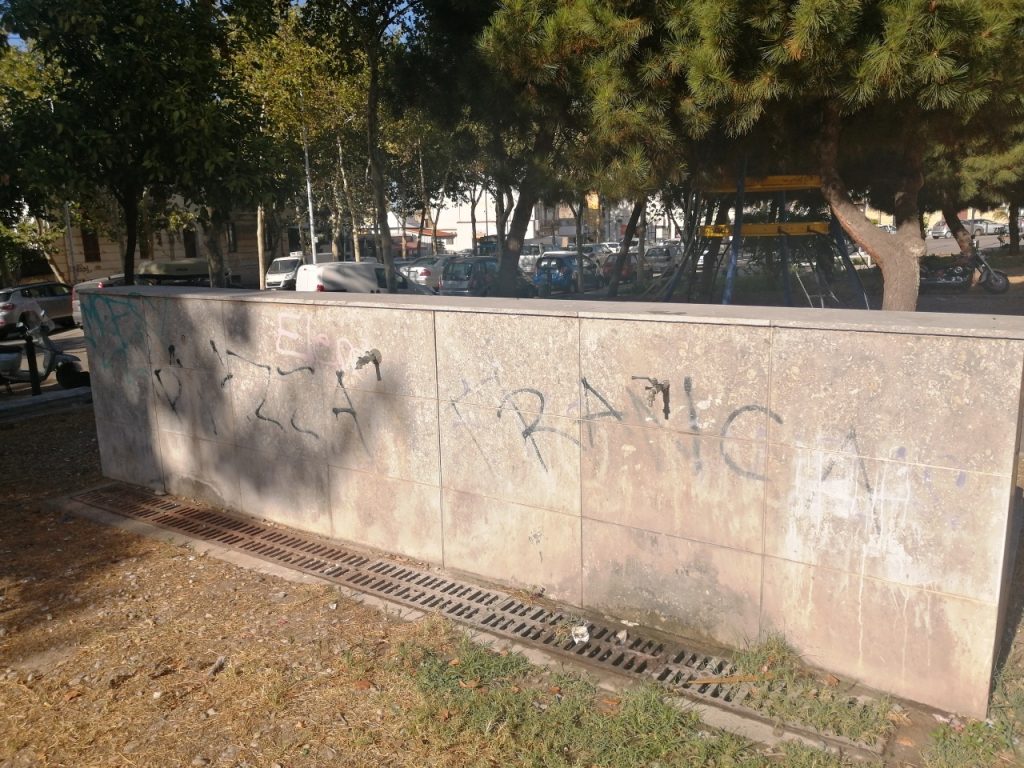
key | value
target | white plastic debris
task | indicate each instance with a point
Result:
(580, 634)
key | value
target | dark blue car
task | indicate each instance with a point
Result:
(556, 272)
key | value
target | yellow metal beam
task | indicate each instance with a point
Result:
(793, 229)
(770, 184)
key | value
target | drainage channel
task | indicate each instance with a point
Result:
(689, 673)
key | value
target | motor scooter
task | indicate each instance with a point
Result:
(41, 354)
(962, 275)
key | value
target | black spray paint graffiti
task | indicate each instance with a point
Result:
(532, 427)
(350, 410)
(174, 398)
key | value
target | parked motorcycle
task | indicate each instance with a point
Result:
(962, 275)
(40, 353)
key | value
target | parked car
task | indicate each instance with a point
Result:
(477, 277)
(557, 271)
(889, 229)
(351, 277)
(978, 227)
(940, 229)
(102, 282)
(282, 273)
(187, 272)
(19, 303)
(629, 269)
(597, 251)
(662, 258)
(426, 271)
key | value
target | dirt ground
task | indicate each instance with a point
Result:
(117, 650)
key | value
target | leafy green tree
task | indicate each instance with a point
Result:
(140, 103)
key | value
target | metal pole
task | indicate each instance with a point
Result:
(33, 369)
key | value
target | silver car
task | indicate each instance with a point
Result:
(18, 304)
(427, 270)
(101, 282)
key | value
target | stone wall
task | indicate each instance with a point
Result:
(844, 478)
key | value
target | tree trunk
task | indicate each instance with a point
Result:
(511, 245)
(956, 227)
(627, 238)
(357, 251)
(436, 215)
(710, 269)
(377, 167)
(145, 229)
(261, 255)
(896, 255)
(474, 198)
(214, 251)
(130, 206)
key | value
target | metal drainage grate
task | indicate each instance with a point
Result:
(667, 663)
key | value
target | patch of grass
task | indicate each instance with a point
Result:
(788, 692)
(484, 708)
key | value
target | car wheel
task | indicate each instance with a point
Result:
(979, 232)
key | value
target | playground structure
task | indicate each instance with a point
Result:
(809, 259)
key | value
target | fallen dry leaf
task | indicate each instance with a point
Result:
(903, 741)
(555, 689)
(454, 662)
(474, 683)
(362, 685)
(73, 694)
(831, 681)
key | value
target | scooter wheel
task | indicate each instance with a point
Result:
(69, 377)
(997, 282)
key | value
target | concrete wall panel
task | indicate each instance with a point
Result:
(700, 488)
(509, 361)
(283, 486)
(707, 388)
(516, 544)
(388, 435)
(902, 397)
(195, 468)
(511, 455)
(668, 582)
(906, 641)
(909, 524)
(386, 513)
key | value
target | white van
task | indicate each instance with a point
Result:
(352, 277)
(283, 271)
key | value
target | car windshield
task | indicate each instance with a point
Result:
(553, 263)
(283, 265)
(5, 296)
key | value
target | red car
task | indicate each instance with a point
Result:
(628, 269)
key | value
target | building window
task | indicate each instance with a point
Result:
(90, 245)
(232, 238)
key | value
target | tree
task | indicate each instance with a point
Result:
(377, 29)
(140, 102)
(900, 68)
